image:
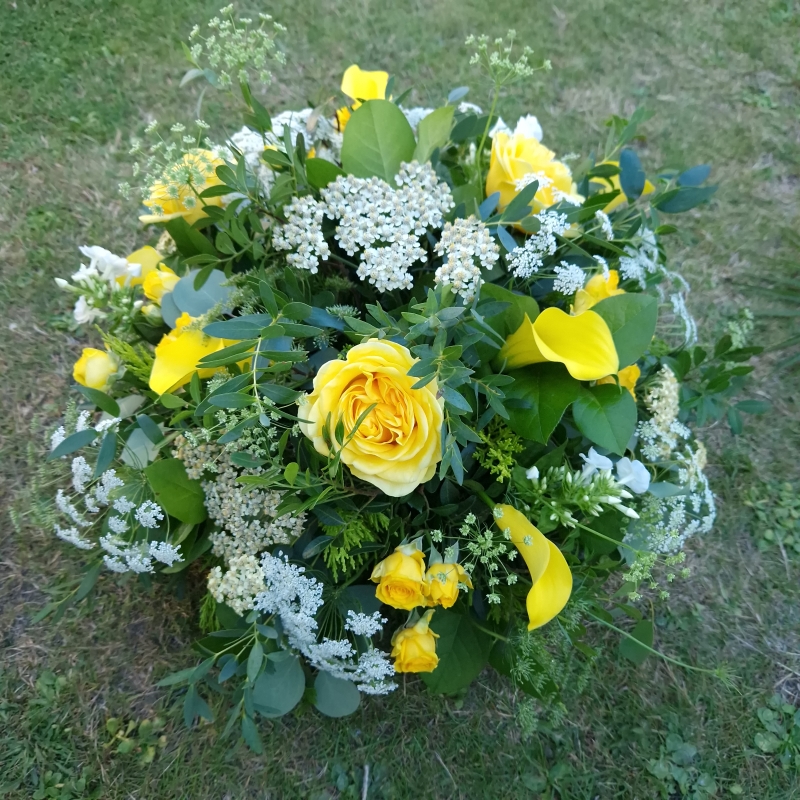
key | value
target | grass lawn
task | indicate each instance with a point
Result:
(78, 78)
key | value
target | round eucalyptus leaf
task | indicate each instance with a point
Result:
(195, 302)
(277, 693)
(335, 697)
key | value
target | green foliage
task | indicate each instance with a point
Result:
(142, 738)
(677, 774)
(776, 507)
(780, 734)
(606, 415)
(358, 529)
(136, 357)
(500, 444)
(180, 496)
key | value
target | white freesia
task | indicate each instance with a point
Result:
(85, 313)
(529, 127)
(593, 462)
(633, 474)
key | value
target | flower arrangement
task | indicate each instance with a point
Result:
(402, 389)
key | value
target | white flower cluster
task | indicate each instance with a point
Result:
(302, 234)
(123, 556)
(247, 520)
(465, 246)
(295, 599)
(383, 224)
(569, 278)
(662, 432)
(239, 584)
(98, 285)
(526, 260)
(605, 223)
(638, 262)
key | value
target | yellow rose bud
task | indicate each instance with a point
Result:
(398, 444)
(401, 578)
(159, 282)
(178, 353)
(611, 183)
(583, 344)
(597, 289)
(443, 580)
(550, 573)
(627, 379)
(414, 649)
(515, 157)
(94, 368)
(175, 195)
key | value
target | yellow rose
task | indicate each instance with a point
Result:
(177, 355)
(609, 184)
(627, 379)
(443, 580)
(550, 573)
(148, 258)
(94, 368)
(414, 649)
(159, 282)
(398, 444)
(358, 85)
(583, 344)
(597, 289)
(175, 195)
(514, 157)
(401, 578)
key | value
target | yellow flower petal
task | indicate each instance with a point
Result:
(597, 289)
(159, 282)
(627, 379)
(550, 573)
(148, 257)
(178, 353)
(358, 84)
(94, 368)
(583, 344)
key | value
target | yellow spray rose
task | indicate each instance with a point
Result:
(443, 580)
(148, 258)
(398, 444)
(175, 195)
(159, 282)
(550, 573)
(177, 355)
(414, 648)
(627, 378)
(583, 344)
(611, 183)
(358, 84)
(514, 157)
(597, 289)
(94, 368)
(401, 578)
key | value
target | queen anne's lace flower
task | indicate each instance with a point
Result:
(529, 258)
(569, 278)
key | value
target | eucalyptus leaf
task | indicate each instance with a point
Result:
(335, 697)
(433, 132)
(278, 692)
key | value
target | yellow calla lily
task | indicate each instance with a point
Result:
(358, 85)
(550, 573)
(178, 353)
(627, 379)
(148, 258)
(614, 184)
(582, 343)
(597, 289)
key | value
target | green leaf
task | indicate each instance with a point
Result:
(106, 453)
(753, 406)
(507, 321)
(138, 450)
(520, 206)
(606, 415)
(231, 400)
(632, 318)
(196, 302)
(254, 661)
(335, 697)
(463, 651)
(151, 430)
(631, 176)
(433, 131)
(251, 736)
(547, 390)
(73, 442)
(180, 496)
(277, 693)
(683, 199)
(281, 395)
(320, 172)
(195, 706)
(100, 399)
(296, 311)
(377, 138)
(188, 240)
(631, 649)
